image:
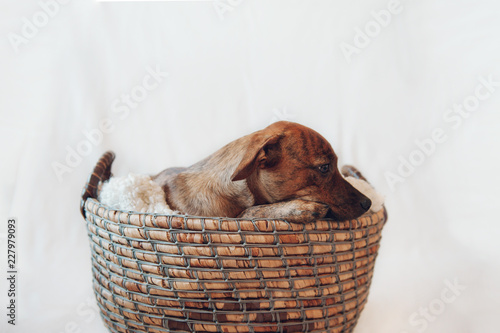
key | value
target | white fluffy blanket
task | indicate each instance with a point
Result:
(139, 193)
(136, 193)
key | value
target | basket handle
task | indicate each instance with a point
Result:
(349, 170)
(101, 173)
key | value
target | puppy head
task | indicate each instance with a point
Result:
(288, 161)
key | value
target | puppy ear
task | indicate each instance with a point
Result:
(262, 151)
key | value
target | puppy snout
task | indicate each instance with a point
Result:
(366, 204)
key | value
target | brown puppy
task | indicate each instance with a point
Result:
(284, 171)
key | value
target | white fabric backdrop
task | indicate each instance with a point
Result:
(234, 72)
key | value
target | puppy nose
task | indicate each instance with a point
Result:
(366, 204)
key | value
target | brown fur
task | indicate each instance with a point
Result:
(273, 173)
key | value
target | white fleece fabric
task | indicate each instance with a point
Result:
(138, 193)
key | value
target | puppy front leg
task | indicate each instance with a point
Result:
(294, 211)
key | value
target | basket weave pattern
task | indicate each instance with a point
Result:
(176, 273)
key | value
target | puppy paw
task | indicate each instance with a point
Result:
(307, 211)
(294, 211)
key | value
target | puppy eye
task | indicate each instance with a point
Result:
(324, 168)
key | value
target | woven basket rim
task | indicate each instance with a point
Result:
(109, 209)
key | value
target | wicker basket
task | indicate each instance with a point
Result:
(176, 273)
